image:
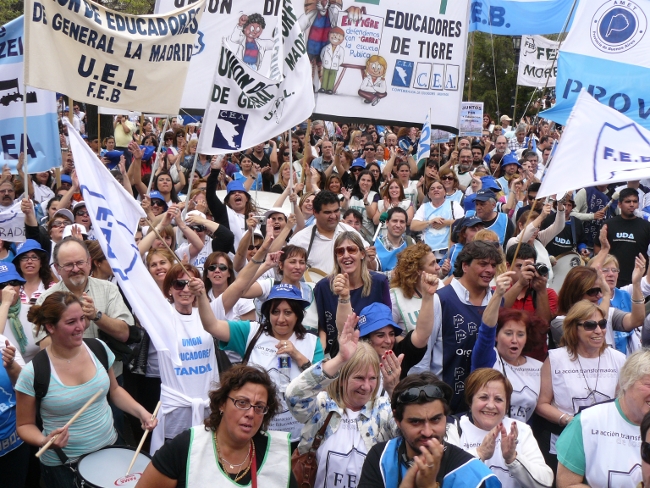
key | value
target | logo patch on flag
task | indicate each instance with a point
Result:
(229, 130)
(617, 27)
(403, 73)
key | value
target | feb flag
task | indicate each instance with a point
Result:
(247, 108)
(599, 146)
(108, 58)
(607, 52)
(43, 146)
(424, 144)
(519, 17)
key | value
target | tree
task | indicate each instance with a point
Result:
(9, 10)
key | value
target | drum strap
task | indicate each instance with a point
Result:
(311, 240)
(574, 236)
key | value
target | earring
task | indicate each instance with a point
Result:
(220, 412)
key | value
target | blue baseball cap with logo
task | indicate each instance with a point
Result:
(8, 273)
(155, 194)
(66, 179)
(374, 317)
(285, 291)
(509, 159)
(490, 183)
(485, 195)
(27, 246)
(358, 163)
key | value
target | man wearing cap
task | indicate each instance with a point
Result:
(486, 201)
(395, 240)
(319, 238)
(421, 455)
(102, 303)
(458, 308)
(506, 128)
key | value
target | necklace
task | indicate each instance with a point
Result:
(223, 461)
(591, 392)
(62, 359)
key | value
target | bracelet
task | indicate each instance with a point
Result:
(305, 366)
(258, 262)
(344, 300)
(561, 417)
(639, 301)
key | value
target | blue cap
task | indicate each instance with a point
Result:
(113, 156)
(358, 163)
(147, 152)
(509, 159)
(8, 273)
(25, 247)
(471, 221)
(157, 195)
(374, 317)
(490, 183)
(236, 185)
(285, 291)
(84, 136)
(485, 195)
(469, 203)
(66, 179)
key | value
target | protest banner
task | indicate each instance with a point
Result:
(599, 146)
(440, 136)
(247, 108)
(424, 144)
(471, 119)
(107, 58)
(519, 17)
(537, 62)
(607, 52)
(12, 223)
(43, 146)
(394, 54)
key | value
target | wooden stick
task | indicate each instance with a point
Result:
(519, 243)
(75, 417)
(144, 436)
(153, 227)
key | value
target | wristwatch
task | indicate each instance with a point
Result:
(98, 316)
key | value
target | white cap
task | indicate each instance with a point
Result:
(67, 231)
(195, 213)
(275, 210)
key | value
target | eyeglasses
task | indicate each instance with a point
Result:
(24, 259)
(592, 292)
(10, 283)
(221, 267)
(242, 404)
(7, 192)
(412, 395)
(645, 452)
(590, 325)
(70, 266)
(610, 270)
(157, 203)
(448, 177)
(352, 250)
(82, 213)
(369, 149)
(59, 223)
(179, 285)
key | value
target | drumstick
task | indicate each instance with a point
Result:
(144, 436)
(74, 417)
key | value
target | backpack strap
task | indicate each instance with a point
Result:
(98, 350)
(251, 345)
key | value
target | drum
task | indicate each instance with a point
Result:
(107, 468)
(564, 263)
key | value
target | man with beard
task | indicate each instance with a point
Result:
(421, 456)
(463, 168)
(102, 303)
(500, 147)
(7, 193)
(458, 308)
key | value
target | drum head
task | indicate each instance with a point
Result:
(107, 467)
(564, 263)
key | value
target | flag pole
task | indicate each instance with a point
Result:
(157, 162)
(24, 151)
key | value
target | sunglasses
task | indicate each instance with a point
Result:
(179, 285)
(221, 267)
(356, 168)
(446, 177)
(412, 395)
(590, 325)
(59, 223)
(592, 292)
(352, 250)
(10, 283)
(285, 154)
(252, 247)
(82, 213)
(157, 203)
(645, 452)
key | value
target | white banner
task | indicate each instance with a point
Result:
(12, 224)
(599, 146)
(471, 119)
(537, 62)
(108, 58)
(247, 108)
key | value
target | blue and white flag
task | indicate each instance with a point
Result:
(599, 146)
(424, 144)
(12, 223)
(519, 17)
(607, 52)
(43, 146)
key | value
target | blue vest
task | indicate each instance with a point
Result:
(438, 238)
(9, 439)
(500, 226)
(472, 474)
(453, 253)
(623, 301)
(460, 324)
(388, 259)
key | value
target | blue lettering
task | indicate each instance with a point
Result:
(625, 157)
(607, 152)
(497, 16)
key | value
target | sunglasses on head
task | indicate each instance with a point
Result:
(592, 292)
(352, 250)
(645, 452)
(221, 267)
(179, 285)
(10, 283)
(431, 392)
(590, 325)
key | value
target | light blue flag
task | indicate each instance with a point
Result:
(43, 146)
(519, 18)
(424, 144)
(534, 147)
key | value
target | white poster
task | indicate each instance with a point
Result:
(471, 119)
(537, 62)
(12, 224)
(108, 58)
(247, 108)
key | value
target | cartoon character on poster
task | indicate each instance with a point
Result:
(250, 48)
(373, 86)
(332, 57)
(319, 18)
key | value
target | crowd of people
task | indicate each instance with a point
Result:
(401, 323)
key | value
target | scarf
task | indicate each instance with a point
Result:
(17, 327)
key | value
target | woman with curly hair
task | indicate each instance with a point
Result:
(236, 431)
(405, 294)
